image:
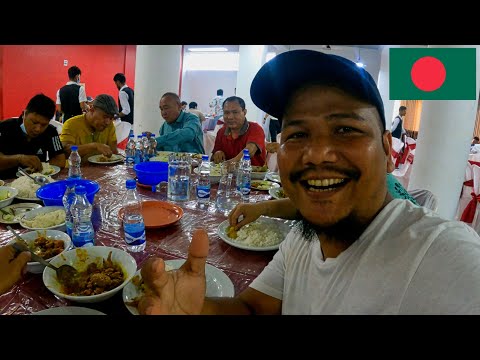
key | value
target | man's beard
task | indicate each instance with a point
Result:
(346, 231)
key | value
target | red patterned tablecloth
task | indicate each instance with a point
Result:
(241, 266)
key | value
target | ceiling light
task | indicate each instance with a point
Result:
(208, 49)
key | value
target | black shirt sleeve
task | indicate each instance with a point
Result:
(52, 142)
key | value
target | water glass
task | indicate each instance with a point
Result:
(227, 195)
(179, 169)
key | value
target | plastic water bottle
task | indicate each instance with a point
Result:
(130, 151)
(68, 199)
(146, 145)
(74, 162)
(133, 224)
(203, 185)
(152, 146)
(82, 232)
(138, 150)
(244, 176)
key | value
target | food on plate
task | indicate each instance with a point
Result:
(231, 232)
(4, 194)
(263, 168)
(103, 158)
(46, 248)
(258, 234)
(95, 279)
(26, 187)
(262, 184)
(46, 220)
(11, 213)
(47, 169)
(8, 214)
(281, 193)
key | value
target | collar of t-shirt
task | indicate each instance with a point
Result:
(71, 82)
(243, 129)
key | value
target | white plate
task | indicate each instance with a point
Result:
(281, 225)
(19, 209)
(43, 210)
(275, 193)
(68, 310)
(218, 284)
(113, 160)
(56, 170)
(273, 177)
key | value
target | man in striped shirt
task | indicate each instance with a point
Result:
(25, 141)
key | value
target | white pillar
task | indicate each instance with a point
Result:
(441, 154)
(157, 71)
(251, 59)
(383, 84)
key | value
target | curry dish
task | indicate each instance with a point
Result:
(47, 248)
(95, 279)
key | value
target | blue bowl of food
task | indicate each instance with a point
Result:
(151, 172)
(52, 193)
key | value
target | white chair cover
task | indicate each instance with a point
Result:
(122, 130)
(58, 125)
(476, 188)
(465, 196)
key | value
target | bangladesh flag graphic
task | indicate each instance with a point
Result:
(433, 74)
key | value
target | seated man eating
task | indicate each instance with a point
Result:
(93, 132)
(26, 140)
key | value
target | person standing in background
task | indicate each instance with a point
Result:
(125, 98)
(398, 130)
(274, 127)
(216, 105)
(192, 108)
(184, 105)
(71, 98)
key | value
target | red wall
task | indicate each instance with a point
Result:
(26, 70)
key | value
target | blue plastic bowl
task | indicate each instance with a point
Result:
(151, 172)
(52, 193)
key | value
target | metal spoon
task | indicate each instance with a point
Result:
(65, 273)
(40, 180)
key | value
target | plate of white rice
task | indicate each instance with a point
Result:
(27, 188)
(263, 234)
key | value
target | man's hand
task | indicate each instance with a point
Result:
(30, 161)
(11, 268)
(272, 147)
(249, 212)
(218, 157)
(104, 150)
(179, 291)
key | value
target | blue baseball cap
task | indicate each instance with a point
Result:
(277, 79)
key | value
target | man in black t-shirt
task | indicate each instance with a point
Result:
(26, 140)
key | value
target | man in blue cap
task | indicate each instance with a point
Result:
(355, 250)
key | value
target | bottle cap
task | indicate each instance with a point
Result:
(74, 148)
(204, 157)
(131, 184)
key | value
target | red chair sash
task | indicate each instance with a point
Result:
(469, 212)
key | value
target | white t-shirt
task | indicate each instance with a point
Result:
(408, 261)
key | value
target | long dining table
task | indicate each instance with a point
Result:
(242, 266)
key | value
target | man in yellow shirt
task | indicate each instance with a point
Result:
(93, 132)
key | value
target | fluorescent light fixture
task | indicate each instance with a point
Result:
(208, 49)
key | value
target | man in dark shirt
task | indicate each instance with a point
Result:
(26, 140)
(71, 98)
(125, 98)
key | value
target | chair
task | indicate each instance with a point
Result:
(122, 130)
(465, 194)
(425, 198)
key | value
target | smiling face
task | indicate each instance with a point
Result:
(333, 158)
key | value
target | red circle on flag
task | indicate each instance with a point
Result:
(428, 73)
